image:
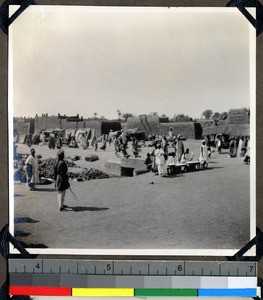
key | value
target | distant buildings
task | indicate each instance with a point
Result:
(236, 124)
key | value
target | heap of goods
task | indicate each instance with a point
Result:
(46, 169)
(74, 158)
(90, 174)
(92, 157)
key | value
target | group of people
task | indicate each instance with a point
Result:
(60, 173)
(239, 146)
(163, 162)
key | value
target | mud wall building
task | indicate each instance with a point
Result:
(152, 125)
(45, 122)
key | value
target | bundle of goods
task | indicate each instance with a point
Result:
(75, 157)
(93, 157)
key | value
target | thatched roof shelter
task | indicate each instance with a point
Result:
(239, 129)
(238, 116)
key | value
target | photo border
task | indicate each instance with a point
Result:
(148, 252)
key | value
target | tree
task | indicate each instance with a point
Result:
(164, 116)
(207, 113)
(154, 114)
(102, 118)
(95, 115)
(126, 116)
(223, 115)
(216, 116)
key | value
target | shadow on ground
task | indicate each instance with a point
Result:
(19, 233)
(24, 220)
(212, 168)
(18, 195)
(31, 245)
(83, 208)
(45, 190)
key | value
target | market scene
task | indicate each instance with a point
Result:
(144, 181)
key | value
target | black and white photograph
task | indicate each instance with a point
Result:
(132, 130)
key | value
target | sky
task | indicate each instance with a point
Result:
(84, 60)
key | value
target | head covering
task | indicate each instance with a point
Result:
(60, 153)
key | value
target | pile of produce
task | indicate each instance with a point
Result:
(46, 167)
(74, 158)
(90, 174)
(93, 157)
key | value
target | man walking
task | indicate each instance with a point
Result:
(32, 170)
(61, 179)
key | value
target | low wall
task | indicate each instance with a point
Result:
(189, 130)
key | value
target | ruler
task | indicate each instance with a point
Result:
(131, 278)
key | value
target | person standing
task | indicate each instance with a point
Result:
(59, 141)
(159, 159)
(61, 179)
(31, 164)
(84, 140)
(232, 148)
(164, 145)
(52, 141)
(203, 155)
(218, 144)
(170, 136)
(180, 147)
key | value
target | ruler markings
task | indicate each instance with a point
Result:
(49, 266)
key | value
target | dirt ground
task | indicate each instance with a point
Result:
(207, 209)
